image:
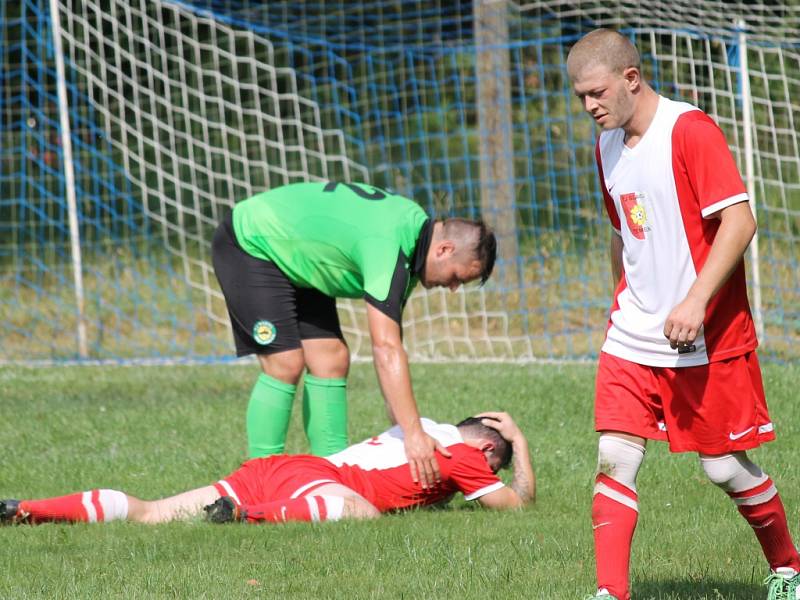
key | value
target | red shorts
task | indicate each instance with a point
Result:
(712, 409)
(277, 478)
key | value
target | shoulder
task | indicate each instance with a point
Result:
(697, 136)
(464, 456)
(691, 121)
(467, 471)
(444, 433)
(694, 119)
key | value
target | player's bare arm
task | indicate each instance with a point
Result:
(523, 485)
(391, 365)
(735, 232)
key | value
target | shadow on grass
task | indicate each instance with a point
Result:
(670, 589)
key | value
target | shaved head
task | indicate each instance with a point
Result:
(602, 47)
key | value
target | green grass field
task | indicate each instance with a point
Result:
(153, 431)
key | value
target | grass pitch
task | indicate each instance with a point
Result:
(156, 431)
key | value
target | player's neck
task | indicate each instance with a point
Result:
(643, 115)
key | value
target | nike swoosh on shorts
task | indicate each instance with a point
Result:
(736, 436)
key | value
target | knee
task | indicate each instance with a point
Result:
(619, 459)
(330, 360)
(142, 511)
(357, 508)
(284, 366)
(732, 472)
(340, 361)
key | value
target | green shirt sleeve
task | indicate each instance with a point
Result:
(387, 273)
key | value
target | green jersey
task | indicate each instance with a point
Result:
(346, 240)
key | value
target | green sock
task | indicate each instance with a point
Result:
(268, 416)
(325, 414)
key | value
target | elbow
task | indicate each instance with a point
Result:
(528, 499)
(519, 501)
(385, 353)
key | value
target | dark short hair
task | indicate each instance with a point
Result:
(485, 243)
(486, 250)
(502, 448)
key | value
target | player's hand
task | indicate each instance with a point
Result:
(421, 452)
(684, 323)
(503, 423)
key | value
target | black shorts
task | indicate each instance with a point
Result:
(268, 312)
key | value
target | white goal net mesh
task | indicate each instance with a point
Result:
(177, 110)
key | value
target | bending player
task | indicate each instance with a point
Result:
(282, 259)
(362, 481)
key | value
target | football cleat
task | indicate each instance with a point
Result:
(10, 513)
(224, 510)
(783, 584)
(602, 595)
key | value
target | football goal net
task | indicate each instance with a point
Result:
(129, 127)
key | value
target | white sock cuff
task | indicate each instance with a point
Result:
(334, 507)
(115, 505)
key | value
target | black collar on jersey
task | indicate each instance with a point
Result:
(421, 250)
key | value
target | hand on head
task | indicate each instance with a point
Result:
(502, 422)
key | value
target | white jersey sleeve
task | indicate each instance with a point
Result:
(387, 450)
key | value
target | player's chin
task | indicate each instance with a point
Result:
(606, 122)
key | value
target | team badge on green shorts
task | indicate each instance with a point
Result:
(264, 332)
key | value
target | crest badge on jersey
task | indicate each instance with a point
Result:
(633, 206)
(264, 332)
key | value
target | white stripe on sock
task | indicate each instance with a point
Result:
(86, 500)
(312, 506)
(334, 505)
(602, 488)
(764, 496)
(229, 490)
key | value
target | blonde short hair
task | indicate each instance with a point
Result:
(602, 47)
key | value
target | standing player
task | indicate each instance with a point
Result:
(283, 257)
(679, 361)
(362, 481)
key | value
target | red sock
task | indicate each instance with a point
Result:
(87, 507)
(615, 511)
(62, 508)
(761, 506)
(308, 508)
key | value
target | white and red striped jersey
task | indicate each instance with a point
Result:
(662, 196)
(378, 469)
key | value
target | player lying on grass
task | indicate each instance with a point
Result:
(362, 481)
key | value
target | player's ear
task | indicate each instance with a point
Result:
(632, 77)
(445, 248)
(487, 446)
